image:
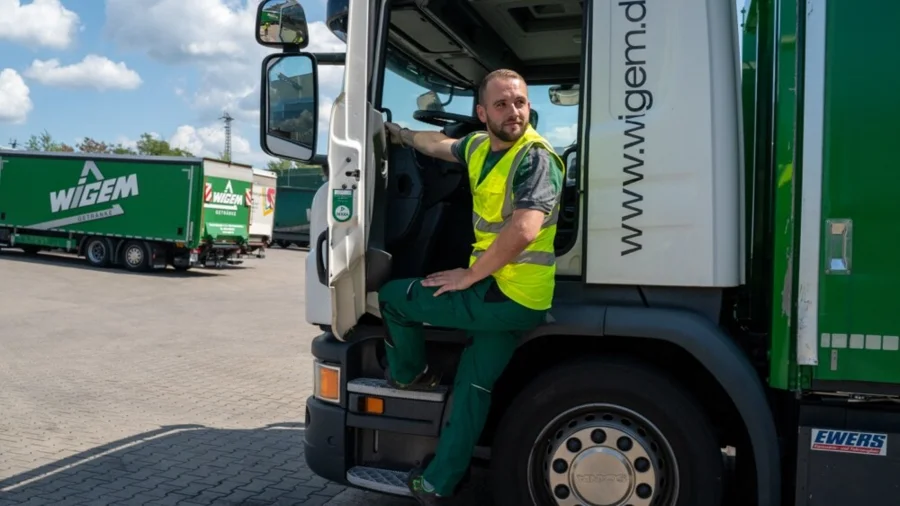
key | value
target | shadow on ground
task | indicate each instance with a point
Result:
(187, 464)
(198, 465)
(67, 260)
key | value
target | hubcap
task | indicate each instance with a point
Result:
(603, 456)
(97, 251)
(134, 255)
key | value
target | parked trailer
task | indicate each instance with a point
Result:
(262, 212)
(140, 212)
(292, 216)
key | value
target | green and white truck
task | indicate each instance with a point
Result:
(724, 330)
(140, 212)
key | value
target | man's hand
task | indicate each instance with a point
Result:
(433, 144)
(450, 281)
(393, 132)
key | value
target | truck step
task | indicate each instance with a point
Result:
(380, 480)
(379, 387)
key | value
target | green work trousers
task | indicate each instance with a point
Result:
(494, 324)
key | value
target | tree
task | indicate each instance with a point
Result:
(148, 145)
(89, 145)
(45, 142)
(280, 165)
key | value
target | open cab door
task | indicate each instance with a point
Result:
(288, 129)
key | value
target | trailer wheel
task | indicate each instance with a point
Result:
(98, 251)
(604, 432)
(136, 256)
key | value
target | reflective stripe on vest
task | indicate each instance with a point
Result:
(529, 278)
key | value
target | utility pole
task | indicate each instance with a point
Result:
(228, 119)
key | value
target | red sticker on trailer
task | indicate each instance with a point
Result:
(847, 441)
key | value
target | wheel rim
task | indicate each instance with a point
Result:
(602, 455)
(134, 255)
(97, 251)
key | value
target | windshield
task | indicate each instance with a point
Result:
(399, 64)
(405, 83)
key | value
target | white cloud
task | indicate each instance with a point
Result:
(40, 23)
(15, 100)
(216, 37)
(93, 71)
(209, 141)
(562, 135)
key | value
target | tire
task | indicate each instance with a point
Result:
(567, 404)
(98, 251)
(136, 256)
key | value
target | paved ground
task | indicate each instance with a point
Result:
(169, 388)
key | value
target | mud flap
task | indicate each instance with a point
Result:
(837, 467)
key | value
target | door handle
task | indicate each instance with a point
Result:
(320, 262)
(838, 246)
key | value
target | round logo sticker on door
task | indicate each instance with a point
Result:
(342, 204)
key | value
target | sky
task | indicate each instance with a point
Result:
(114, 69)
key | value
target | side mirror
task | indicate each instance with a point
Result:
(281, 23)
(429, 101)
(290, 112)
(565, 94)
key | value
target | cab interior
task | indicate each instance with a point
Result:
(422, 219)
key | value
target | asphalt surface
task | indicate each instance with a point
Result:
(159, 389)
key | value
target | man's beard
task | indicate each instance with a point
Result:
(497, 130)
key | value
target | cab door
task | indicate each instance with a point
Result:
(350, 163)
(347, 223)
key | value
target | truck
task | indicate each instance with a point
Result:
(262, 213)
(296, 188)
(137, 212)
(722, 331)
(292, 216)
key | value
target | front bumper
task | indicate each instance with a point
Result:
(324, 445)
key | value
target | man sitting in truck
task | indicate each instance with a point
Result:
(516, 180)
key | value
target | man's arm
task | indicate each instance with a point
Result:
(433, 144)
(522, 228)
(537, 185)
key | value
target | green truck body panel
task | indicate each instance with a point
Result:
(857, 330)
(292, 211)
(154, 199)
(858, 316)
(226, 210)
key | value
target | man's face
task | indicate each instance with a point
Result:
(506, 108)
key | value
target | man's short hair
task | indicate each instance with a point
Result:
(497, 74)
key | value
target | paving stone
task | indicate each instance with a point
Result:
(157, 389)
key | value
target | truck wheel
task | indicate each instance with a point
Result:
(98, 251)
(607, 431)
(136, 256)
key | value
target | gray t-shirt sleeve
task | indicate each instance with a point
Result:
(538, 181)
(458, 149)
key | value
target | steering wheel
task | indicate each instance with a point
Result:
(442, 119)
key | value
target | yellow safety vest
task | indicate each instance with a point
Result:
(530, 278)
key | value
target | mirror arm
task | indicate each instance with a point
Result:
(449, 98)
(330, 58)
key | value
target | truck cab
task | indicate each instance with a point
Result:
(676, 364)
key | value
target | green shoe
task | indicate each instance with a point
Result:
(416, 484)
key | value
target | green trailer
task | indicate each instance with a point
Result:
(140, 212)
(292, 216)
